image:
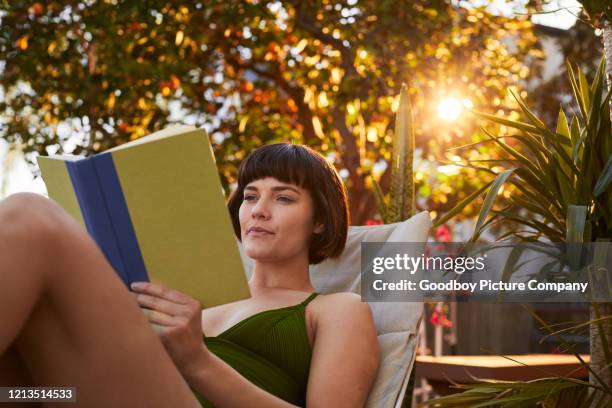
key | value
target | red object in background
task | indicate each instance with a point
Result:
(435, 317)
(374, 222)
(443, 234)
(439, 319)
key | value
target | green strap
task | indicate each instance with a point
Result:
(309, 298)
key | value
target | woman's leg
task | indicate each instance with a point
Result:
(71, 319)
(14, 373)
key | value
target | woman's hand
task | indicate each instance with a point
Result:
(177, 318)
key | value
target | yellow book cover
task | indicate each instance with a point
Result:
(156, 208)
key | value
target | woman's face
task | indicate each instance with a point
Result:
(276, 220)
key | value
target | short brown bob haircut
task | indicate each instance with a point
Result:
(300, 165)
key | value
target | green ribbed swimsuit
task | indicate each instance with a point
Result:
(270, 349)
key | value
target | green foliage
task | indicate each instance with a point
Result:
(565, 181)
(544, 392)
(253, 72)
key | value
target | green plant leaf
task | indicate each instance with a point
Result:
(489, 201)
(576, 223)
(562, 125)
(604, 180)
(576, 154)
(402, 200)
(511, 263)
(507, 122)
(539, 151)
(535, 195)
(513, 152)
(575, 134)
(536, 207)
(599, 75)
(469, 166)
(530, 115)
(584, 87)
(564, 130)
(460, 206)
(550, 232)
(562, 180)
(577, 93)
(535, 181)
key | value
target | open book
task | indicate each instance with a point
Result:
(156, 209)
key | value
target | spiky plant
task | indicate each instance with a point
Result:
(401, 202)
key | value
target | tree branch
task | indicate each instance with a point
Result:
(362, 201)
(296, 93)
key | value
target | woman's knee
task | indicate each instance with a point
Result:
(32, 217)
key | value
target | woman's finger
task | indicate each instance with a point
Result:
(159, 318)
(161, 292)
(158, 329)
(161, 305)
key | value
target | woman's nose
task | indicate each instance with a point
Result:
(260, 209)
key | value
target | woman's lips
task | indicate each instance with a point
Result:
(259, 233)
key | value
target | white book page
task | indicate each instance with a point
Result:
(161, 134)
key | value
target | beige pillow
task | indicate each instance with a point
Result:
(396, 322)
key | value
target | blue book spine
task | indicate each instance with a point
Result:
(93, 207)
(119, 216)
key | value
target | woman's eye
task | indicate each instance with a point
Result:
(249, 197)
(285, 199)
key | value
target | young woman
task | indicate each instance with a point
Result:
(67, 320)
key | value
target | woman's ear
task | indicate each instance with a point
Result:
(318, 228)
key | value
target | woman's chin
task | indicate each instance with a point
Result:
(257, 253)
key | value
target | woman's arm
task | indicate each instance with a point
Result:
(225, 387)
(345, 355)
(176, 318)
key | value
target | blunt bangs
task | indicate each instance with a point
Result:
(283, 161)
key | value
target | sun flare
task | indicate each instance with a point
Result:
(449, 109)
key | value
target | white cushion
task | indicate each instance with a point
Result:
(396, 322)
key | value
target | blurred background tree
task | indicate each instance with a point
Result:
(84, 76)
(582, 46)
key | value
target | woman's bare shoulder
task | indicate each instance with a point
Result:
(342, 306)
(340, 299)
